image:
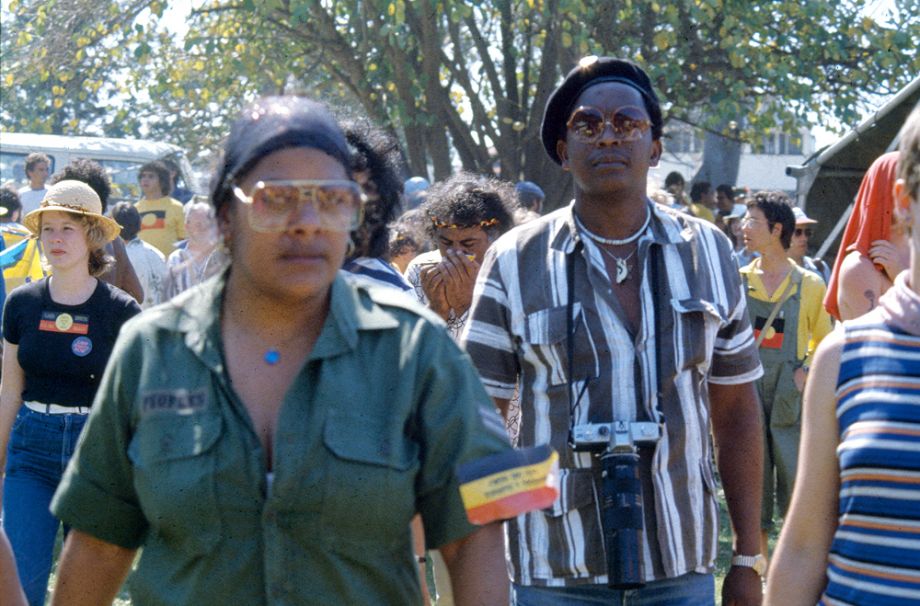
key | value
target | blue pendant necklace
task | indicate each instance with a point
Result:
(271, 356)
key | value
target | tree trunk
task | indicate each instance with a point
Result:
(721, 157)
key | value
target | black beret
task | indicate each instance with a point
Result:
(590, 71)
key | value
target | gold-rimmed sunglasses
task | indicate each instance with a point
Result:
(628, 123)
(338, 204)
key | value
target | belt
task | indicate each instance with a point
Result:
(56, 409)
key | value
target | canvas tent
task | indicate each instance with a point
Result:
(828, 181)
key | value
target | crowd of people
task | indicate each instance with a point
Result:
(278, 394)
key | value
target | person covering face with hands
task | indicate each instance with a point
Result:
(466, 213)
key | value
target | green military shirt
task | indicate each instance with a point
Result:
(370, 433)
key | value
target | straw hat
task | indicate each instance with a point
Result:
(73, 197)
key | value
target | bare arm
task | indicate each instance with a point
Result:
(418, 546)
(738, 433)
(798, 572)
(9, 579)
(10, 398)
(477, 567)
(861, 284)
(122, 274)
(91, 571)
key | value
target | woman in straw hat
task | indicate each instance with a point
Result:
(58, 335)
(267, 436)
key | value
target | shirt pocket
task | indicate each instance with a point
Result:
(697, 323)
(174, 458)
(576, 512)
(370, 482)
(546, 334)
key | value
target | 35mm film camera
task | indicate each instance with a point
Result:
(621, 493)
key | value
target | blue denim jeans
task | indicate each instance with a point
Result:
(39, 449)
(687, 590)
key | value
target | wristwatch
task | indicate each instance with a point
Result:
(757, 562)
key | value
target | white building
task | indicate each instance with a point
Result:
(763, 167)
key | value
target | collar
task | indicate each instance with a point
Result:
(752, 270)
(351, 309)
(667, 227)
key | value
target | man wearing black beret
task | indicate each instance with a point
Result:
(622, 323)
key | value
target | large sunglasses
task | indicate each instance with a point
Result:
(806, 231)
(628, 123)
(338, 204)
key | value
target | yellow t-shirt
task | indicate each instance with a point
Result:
(702, 212)
(814, 321)
(162, 223)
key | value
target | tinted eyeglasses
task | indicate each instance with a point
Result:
(628, 123)
(807, 231)
(338, 204)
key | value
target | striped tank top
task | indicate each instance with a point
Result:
(875, 555)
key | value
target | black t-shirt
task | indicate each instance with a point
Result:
(63, 349)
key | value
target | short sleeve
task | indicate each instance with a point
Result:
(11, 324)
(96, 494)
(459, 423)
(487, 336)
(735, 359)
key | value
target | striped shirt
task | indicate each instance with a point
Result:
(378, 271)
(875, 555)
(517, 336)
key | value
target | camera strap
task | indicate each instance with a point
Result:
(570, 333)
(654, 253)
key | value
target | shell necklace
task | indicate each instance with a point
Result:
(613, 241)
(622, 263)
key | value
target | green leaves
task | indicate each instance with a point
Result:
(439, 71)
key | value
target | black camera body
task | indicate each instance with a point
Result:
(621, 493)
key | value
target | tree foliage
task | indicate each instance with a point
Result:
(458, 82)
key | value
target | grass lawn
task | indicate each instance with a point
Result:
(722, 561)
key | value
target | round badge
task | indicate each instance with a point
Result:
(148, 219)
(63, 322)
(81, 346)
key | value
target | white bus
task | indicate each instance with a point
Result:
(121, 158)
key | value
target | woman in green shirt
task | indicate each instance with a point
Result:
(268, 436)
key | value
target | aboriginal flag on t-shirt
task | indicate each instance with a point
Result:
(153, 219)
(54, 321)
(774, 337)
(503, 486)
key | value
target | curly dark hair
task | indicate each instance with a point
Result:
(468, 200)
(727, 190)
(698, 189)
(9, 199)
(377, 154)
(159, 169)
(89, 172)
(674, 178)
(126, 215)
(409, 232)
(777, 208)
